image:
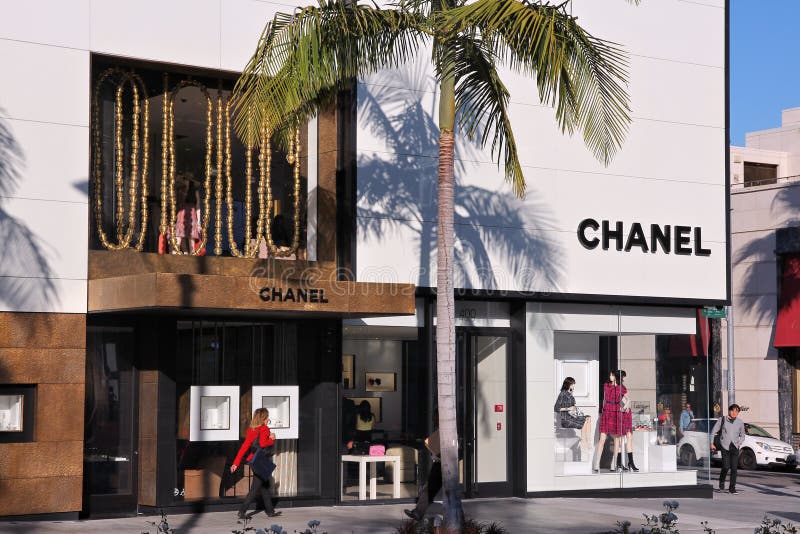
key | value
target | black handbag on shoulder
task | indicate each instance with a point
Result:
(261, 463)
(717, 437)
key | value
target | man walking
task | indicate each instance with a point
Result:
(434, 483)
(731, 438)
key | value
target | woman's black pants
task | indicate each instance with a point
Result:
(257, 486)
(430, 489)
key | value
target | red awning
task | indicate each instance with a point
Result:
(692, 344)
(787, 328)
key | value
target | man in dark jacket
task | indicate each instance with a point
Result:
(731, 438)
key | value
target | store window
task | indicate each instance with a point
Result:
(631, 407)
(224, 370)
(169, 173)
(759, 174)
(16, 413)
(384, 404)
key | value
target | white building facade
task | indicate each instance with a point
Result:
(597, 269)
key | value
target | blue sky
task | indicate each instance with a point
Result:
(765, 64)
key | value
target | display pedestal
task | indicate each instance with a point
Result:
(663, 458)
(642, 440)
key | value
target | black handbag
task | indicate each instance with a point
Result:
(261, 463)
(717, 437)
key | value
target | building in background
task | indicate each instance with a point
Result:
(765, 242)
(161, 279)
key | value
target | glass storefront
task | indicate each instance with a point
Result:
(631, 409)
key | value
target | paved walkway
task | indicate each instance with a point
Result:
(728, 514)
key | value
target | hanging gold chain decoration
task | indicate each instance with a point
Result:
(140, 114)
(168, 152)
(293, 157)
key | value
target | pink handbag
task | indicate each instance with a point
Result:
(377, 450)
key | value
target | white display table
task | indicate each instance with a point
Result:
(362, 461)
(650, 457)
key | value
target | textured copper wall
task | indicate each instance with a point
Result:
(48, 350)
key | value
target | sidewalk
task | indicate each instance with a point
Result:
(728, 514)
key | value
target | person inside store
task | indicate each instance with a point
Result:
(686, 417)
(365, 421)
(568, 413)
(266, 440)
(432, 486)
(731, 437)
(616, 420)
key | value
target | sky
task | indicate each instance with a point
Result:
(764, 63)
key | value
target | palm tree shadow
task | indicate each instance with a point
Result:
(23, 251)
(500, 243)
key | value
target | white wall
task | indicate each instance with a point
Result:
(44, 119)
(670, 171)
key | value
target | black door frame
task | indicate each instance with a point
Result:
(102, 505)
(466, 383)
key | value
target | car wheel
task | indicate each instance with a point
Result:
(747, 459)
(688, 456)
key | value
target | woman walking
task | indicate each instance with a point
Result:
(258, 429)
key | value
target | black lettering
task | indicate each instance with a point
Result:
(302, 295)
(312, 295)
(264, 294)
(698, 244)
(660, 237)
(585, 241)
(609, 234)
(636, 238)
(322, 298)
(289, 295)
(682, 238)
(277, 294)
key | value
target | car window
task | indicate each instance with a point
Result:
(698, 426)
(755, 430)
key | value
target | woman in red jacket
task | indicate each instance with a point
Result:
(258, 429)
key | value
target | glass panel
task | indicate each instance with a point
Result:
(11, 413)
(279, 411)
(110, 396)
(491, 428)
(215, 413)
(667, 384)
(393, 412)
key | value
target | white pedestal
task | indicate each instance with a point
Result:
(663, 458)
(642, 440)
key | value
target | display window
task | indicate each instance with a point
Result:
(11, 409)
(385, 413)
(631, 410)
(17, 413)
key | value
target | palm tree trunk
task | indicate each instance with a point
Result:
(445, 306)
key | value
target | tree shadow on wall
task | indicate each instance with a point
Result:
(26, 277)
(499, 238)
(758, 276)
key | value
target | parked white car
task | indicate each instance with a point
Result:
(759, 448)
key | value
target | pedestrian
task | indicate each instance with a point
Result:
(731, 438)
(434, 483)
(266, 439)
(686, 417)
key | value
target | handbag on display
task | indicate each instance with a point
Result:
(377, 450)
(625, 405)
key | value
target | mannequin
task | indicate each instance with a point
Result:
(569, 415)
(612, 420)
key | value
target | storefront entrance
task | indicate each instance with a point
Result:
(482, 367)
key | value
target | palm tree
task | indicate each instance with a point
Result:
(303, 59)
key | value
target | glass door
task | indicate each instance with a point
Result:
(482, 366)
(110, 451)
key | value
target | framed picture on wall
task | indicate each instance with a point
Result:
(374, 403)
(348, 380)
(379, 382)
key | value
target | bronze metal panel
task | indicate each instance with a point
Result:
(42, 330)
(59, 412)
(186, 291)
(40, 460)
(40, 366)
(40, 495)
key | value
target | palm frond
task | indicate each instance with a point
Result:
(304, 58)
(482, 103)
(583, 77)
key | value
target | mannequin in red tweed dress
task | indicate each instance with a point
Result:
(615, 420)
